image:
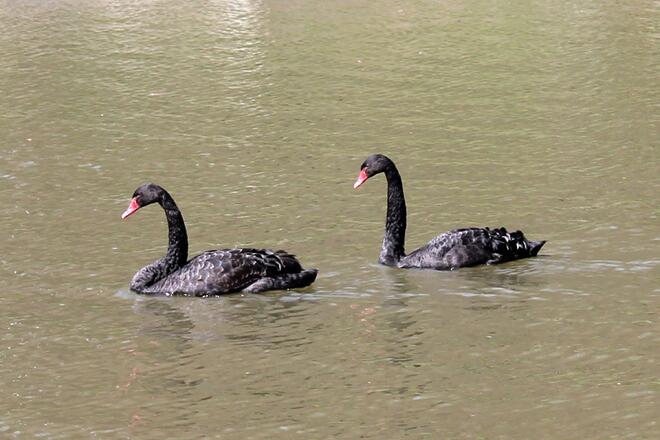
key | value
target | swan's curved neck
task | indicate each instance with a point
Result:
(177, 250)
(395, 222)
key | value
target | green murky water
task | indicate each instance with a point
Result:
(256, 115)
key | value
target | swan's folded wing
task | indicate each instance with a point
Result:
(228, 270)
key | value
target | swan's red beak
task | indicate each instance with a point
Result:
(132, 207)
(361, 178)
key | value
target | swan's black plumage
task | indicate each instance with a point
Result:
(450, 250)
(213, 272)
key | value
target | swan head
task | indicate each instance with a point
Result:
(374, 164)
(144, 195)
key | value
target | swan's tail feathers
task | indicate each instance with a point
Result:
(535, 247)
(513, 245)
(284, 281)
(288, 261)
(303, 278)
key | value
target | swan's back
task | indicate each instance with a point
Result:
(228, 270)
(470, 247)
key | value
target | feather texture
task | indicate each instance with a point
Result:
(470, 247)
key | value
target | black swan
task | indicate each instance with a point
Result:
(448, 251)
(213, 272)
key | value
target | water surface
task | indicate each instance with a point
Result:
(256, 115)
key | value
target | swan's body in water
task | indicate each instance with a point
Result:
(448, 251)
(213, 272)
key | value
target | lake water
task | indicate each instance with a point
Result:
(256, 116)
